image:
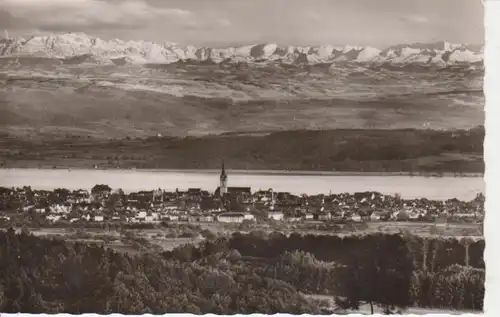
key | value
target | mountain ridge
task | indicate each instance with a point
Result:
(83, 48)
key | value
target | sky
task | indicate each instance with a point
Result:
(378, 23)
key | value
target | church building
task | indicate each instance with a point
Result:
(223, 191)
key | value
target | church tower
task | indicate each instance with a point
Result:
(223, 181)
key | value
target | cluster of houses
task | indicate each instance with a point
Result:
(227, 205)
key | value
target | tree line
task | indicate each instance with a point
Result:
(241, 273)
(52, 276)
(396, 270)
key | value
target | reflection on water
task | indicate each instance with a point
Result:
(135, 180)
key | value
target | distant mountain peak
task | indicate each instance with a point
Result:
(71, 45)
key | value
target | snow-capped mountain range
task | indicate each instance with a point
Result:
(91, 49)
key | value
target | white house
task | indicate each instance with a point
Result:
(98, 218)
(171, 217)
(53, 218)
(231, 217)
(26, 208)
(206, 218)
(152, 218)
(248, 216)
(414, 215)
(276, 215)
(294, 219)
(338, 216)
(171, 209)
(463, 215)
(309, 216)
(83, 193)
(137, 219)
(59, 209)
(376, 215)
(325, 217)
(356, 217)
(401, 215)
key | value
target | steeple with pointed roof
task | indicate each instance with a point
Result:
(223, 180)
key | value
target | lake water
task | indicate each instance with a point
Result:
(134, 180)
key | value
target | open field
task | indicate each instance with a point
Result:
(424, 229)
(125, 241)
(134, 241)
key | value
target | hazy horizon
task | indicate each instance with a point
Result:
(222, 45)
(380, 23)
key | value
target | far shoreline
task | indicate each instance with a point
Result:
(261, 172)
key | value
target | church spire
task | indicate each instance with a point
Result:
(223, 180)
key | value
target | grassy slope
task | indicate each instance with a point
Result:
(342, 150)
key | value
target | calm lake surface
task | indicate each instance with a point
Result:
(446, 187)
